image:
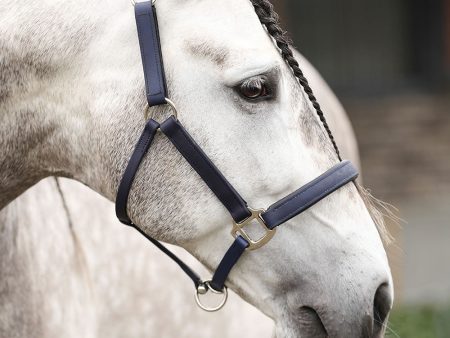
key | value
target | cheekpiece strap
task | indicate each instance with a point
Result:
(147, 27)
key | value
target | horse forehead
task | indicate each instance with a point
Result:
(227, 25)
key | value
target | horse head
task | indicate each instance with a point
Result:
(325, 272)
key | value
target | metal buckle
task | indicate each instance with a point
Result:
(133, 2)
(168, 102)
(203, 289)
(238, 230)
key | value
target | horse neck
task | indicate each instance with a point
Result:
(45, 127)
(36, 142)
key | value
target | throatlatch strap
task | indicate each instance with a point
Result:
(147, 27)
(210, 174)
(191, 273)
(308, 195)
(130, 172)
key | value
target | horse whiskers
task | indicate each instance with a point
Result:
(379, 210)
(386, 326)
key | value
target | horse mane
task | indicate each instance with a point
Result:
(271, 20)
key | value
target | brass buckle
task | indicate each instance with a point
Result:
(238, 230)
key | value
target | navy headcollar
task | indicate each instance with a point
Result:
(277, 214)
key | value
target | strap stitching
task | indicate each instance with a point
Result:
(147, 141)
(141, 38)
(209, 164)
(308, 188)
(144, 60)
(156, 53)
(129, 179)
(315, 200)
(325, 193)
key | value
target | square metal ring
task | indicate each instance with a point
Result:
(238, 230)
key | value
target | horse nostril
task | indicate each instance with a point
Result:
(381, 306)
(311, 323)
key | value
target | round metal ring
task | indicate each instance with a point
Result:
(169, 103)
(200, 291)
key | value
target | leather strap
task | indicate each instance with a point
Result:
(130, 172)
(308, 195)
(147, 27)
(200, 162)
(228, 261)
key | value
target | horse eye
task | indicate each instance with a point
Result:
(254, 88)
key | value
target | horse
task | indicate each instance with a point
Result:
(72, 106)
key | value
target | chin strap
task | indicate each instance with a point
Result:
(242, 216)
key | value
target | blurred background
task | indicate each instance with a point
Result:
(389, 63)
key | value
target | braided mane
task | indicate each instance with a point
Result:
(270, 19)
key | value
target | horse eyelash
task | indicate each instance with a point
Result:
(271, 88)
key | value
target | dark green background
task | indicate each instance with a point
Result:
(371, 47)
